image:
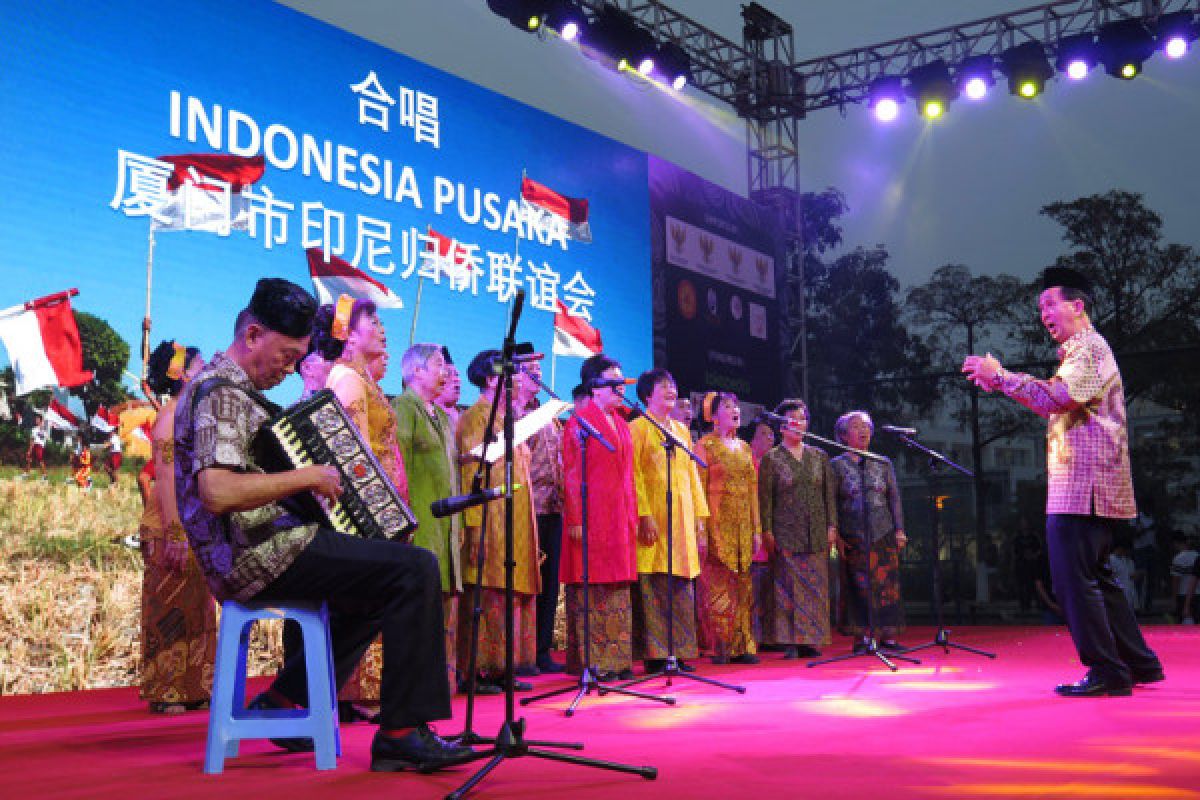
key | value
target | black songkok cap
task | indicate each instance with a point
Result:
(1066, 278)
(481, 367)
(283, 307)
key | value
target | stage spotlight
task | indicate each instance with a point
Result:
(1124, 47)
(974, 76)
(617, 35)
(884, 98)
(566, 17)
(931, 87)
(1026, 68)
(1175, 32)
(674, 65)
(1076, 55)
(525, 15)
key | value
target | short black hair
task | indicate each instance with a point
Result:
(446, 354)
(791, 404)
(593, 368)
(649, 379)
(281, 306)
(480, 368)
(323, 340)
(579, 393)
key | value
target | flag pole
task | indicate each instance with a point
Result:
(412, 331)
(553, 369)
(146, 319)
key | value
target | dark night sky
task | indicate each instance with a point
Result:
(965, 189)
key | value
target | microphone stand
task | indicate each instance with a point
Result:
(510, 741)
(872, 648)
(588, 681)
(936, 460)
(671, 670)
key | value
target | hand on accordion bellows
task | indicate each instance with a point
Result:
(324, 481)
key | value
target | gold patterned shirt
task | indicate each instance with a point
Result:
(1087, 443)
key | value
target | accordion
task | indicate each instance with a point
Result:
(318, 431)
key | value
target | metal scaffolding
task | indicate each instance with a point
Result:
(762, 80)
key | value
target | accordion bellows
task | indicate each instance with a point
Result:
(318, 431)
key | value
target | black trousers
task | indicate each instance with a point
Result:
(372, 586)
(1101, 622)
(550, 541)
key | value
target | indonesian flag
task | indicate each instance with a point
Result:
(573, 336)
(143, 432)
(104, 420)
(545, 207)
(205, 193)
(59, 416)
(336, 277)
(449, 257)
(43, 343)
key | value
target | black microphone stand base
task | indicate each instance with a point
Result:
(942, 640)
(587, 684)
(670, 672)
(871, 650)
(510, 743)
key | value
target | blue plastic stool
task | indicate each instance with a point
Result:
(229, 721)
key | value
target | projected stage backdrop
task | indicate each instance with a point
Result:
(367, 155)
(365, 151)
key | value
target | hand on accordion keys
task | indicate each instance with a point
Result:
(324, 481)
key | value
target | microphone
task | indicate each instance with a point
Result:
(612, 383)
(452, 505)
(898, 430)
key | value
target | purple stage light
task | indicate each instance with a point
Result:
(1077, 70)
(570, 31)
(886, 109)
(679, 82)
(976, 88)
(646, 67)
(1176, 47)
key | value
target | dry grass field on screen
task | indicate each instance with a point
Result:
(70, 589)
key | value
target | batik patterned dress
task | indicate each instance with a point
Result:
(869, 510)
(179, 621)
(798, 504)
(727, 590)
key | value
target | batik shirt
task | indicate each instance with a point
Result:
(1087, 444)
(240, 552)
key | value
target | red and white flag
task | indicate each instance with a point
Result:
(205, 193)
(449, 257)
(104, 420)
(573, 336)
(59, 416)
(143, 432)
(336, 277)
(43, 343)
(545, 207)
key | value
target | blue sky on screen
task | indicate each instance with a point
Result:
(88, 80)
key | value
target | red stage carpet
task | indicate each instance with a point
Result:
(957, 726)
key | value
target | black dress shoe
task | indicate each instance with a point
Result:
(549, 666)
(791, 652)
(606, 677)
(744, 658)
(719, 660)
(807, 651)
(422, 749)
(625, 674)
(684, 666)
(892, 646)
(655, 665)
(527, 671)
(291, 744)
(1092, 686)
(861, 646)
(1153, 675)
